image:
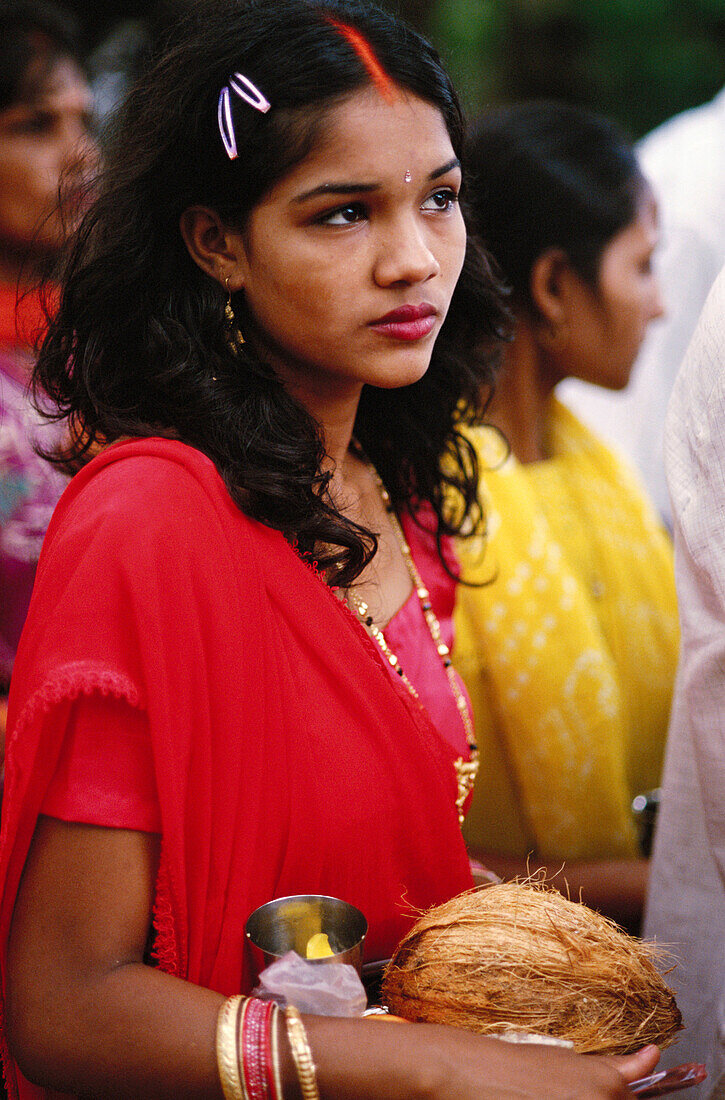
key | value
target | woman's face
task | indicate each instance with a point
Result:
(608, 323)
(349, 263)
(44, 142)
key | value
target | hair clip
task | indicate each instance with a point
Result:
(247, 91)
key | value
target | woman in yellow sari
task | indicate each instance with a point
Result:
(569, 652)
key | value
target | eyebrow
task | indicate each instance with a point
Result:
(455, 163)
(365, 188)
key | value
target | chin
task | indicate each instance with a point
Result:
(389, 382)
(622, 380)
(615, 384)
(616, 378)
(397, 375)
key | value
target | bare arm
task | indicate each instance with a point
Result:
(615, 887)
(85, 1014)
(82, 1006)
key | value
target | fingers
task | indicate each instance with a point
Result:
(633, 1066)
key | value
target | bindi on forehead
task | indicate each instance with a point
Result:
(368, 145)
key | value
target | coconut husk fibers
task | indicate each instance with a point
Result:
(521, 957)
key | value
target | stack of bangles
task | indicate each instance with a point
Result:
(247, 1050)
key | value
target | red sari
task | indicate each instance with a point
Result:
(287, 759)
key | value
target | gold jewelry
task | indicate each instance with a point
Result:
(276, 1069)
(234, 333)
(227, 1047)
(466, 770)
(297, 1037)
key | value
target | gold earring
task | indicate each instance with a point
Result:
(234, 334)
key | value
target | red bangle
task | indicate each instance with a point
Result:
(255, 1042)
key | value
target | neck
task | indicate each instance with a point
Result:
(331, 402)
(520, 403)
(350, 484)
(337, 421)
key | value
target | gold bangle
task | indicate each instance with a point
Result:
(297, 1037)
(227, 1050)
(276, 1068)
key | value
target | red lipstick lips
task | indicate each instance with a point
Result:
(407, 322)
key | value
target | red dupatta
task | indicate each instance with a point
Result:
(287, 759)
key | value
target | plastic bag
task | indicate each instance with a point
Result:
(322, 989)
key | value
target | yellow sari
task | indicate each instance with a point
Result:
(569, 654)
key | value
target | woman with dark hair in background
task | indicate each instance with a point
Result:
(569, 653)
(45, 143)
(207, 710)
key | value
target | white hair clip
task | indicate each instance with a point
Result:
(247, 91)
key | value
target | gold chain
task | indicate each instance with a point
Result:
(466, 770)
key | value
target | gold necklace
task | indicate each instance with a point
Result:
(466, 770)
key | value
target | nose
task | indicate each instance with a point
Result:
(405, 256)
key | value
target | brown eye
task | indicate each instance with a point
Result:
(441, 200)
(344, 215)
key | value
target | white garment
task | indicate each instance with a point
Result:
(686, 905)
(684, 160)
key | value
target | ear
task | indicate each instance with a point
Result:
(217, 249)
(551, 285)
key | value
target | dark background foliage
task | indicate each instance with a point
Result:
(638, 60)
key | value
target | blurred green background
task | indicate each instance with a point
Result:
(638, 60)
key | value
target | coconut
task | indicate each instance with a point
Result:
(519, 957)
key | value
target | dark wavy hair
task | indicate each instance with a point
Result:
(139, 345)
(545, 174)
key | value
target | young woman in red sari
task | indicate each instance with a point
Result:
(207, 710)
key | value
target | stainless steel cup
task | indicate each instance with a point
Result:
(287, 924)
